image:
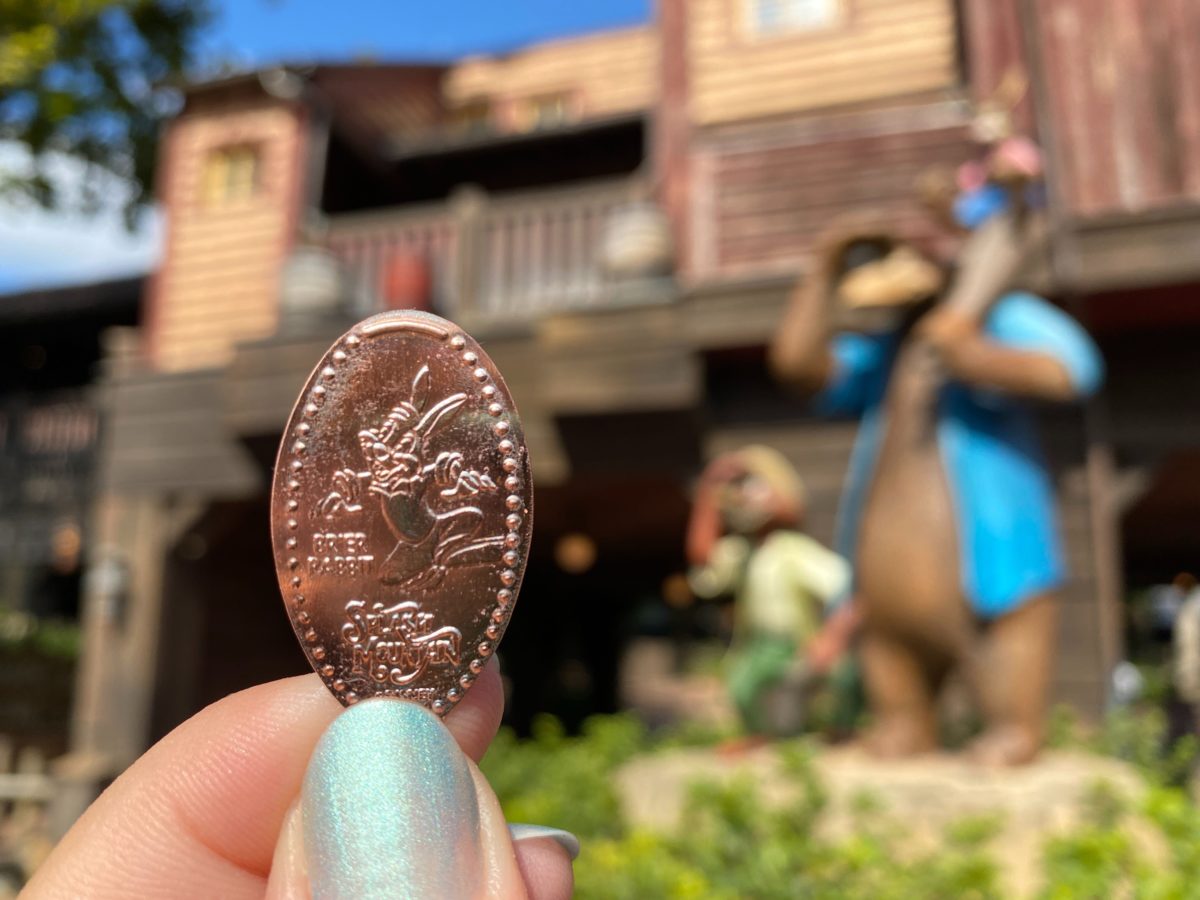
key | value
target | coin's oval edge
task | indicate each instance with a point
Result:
(430, 325)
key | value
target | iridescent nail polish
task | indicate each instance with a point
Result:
(390, 809)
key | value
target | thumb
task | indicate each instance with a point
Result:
(390, 806)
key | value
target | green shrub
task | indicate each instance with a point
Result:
(566, 781)
(1137, 736)
(735, 846)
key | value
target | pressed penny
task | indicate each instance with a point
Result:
(401, 511)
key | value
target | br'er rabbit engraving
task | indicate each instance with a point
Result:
(425, 504)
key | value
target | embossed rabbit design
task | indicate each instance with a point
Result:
(423, 502)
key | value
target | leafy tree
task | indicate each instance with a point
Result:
(92, 79)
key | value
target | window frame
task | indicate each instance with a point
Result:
(229, 158)
(746, 25)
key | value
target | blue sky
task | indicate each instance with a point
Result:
(39, 249)
(266, 31)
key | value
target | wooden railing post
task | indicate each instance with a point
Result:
(468, 206)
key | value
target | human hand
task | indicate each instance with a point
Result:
(278, 792)
(950, 334)
(831, 642)
(823, 652)
(945, 327)
(705, 523)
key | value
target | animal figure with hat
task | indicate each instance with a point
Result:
(948, 512)
(744, 540)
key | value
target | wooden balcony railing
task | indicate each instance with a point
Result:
(367, 242)
(493, 258)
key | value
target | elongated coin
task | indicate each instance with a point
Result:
(401, 511)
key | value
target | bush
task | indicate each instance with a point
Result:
(735, 846)
(552, 778)
(1136, 736)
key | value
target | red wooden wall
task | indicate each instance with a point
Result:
(761, 199)
(1121, 80)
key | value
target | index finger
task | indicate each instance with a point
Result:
(199, 814)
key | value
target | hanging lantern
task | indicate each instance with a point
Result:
(637, 243)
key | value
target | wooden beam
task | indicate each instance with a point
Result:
(1131, 251)
(618, 360)
(166, 432)
(671, 133)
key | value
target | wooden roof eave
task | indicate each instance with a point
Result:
(442, 144)
(1123, 250)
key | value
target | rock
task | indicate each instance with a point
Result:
(922, 796)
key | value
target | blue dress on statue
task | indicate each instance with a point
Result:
(1004, 503)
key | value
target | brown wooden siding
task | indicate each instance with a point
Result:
(376, 103)
(165, 433)
(218, 283)
(879, 48)
(617, 361)
(1122, 85)
(761, 199)
(606, 74)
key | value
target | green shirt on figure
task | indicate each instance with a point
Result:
(781, 590)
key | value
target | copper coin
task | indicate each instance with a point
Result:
(401, 511)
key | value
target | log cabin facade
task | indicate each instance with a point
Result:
(509, 193)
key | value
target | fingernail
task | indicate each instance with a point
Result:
(390, 808)
(564, 839)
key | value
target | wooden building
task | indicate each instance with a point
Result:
(534, 197)
(50, 431)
